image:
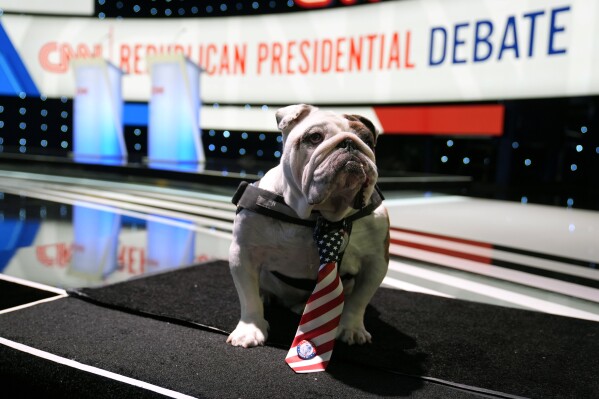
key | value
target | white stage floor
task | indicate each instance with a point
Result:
(526, 256)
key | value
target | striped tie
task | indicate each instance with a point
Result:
(315, 337)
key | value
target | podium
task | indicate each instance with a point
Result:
(174, 112)
(98, 112)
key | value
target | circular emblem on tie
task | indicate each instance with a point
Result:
(306, 350)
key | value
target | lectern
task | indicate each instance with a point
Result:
(174, 110)
(98, 112)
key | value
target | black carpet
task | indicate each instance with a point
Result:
(505, 350)
(187, 360)
(12, 294)
(27, 376)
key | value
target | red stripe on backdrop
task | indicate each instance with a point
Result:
(471, 120)
(446, 238)
(443, 251)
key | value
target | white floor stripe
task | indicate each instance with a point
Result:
(560, 267)
(214, 199)
(394, 283)
(117, 208)
(90, 369)
(27, 305)
(492, 292)
(32, 284)
(515, 276)
(425, 200)
(556, 230)
(540, 263)
(138, 199)
(185, 199)
(124, 205)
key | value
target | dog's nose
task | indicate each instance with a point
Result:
(347, 144)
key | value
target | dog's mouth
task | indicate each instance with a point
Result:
(353, 165)
(359, 199)
(355, 173)
(351, 170)
(343, 181)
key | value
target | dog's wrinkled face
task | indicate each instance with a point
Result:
(328, 160)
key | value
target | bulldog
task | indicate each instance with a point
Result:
(327, 168)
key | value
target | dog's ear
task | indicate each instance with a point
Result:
(366, 122)
(291, 115)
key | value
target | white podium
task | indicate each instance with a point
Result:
(98, 112)
(174, 111)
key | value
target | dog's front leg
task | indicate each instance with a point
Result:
(351, 327)
(252, 329)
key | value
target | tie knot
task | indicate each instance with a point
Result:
(330, 238)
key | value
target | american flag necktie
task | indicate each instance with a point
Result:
(315, 337)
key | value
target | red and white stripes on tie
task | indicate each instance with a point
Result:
(315, 337)
(313, 344)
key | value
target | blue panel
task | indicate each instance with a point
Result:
(5, 257)
(127, 220)
(10, 231)
(15, 234)
(136, 114)
(14, 77)
(8, 81)
(29, 232)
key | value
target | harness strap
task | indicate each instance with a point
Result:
(305, 284)
(249, 196)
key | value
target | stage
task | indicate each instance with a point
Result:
(166, 333)
(118, 287)
(123, 143)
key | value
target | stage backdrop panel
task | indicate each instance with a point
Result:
(389, 52)
(98, 111)
(174, 109)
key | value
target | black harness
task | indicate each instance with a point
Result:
(250, 197)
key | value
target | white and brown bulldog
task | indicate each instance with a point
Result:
(327, 167)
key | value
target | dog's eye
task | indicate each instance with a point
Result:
(367, 139)
(369, 143)
(316, 138)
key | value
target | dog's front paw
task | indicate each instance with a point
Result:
(249, 334)
(354, 335)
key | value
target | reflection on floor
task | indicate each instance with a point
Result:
(69, 232)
